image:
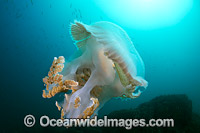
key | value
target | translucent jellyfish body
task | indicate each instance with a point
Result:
(108, 66)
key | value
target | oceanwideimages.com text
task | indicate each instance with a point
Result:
(45, 121)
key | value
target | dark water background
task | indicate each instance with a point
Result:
(33, 32)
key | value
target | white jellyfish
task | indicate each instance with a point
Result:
(107, 66)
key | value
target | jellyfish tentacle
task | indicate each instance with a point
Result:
(122, 70)
(93, 80)
(71, 67)
(84, 95)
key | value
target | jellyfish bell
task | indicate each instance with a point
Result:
(116, 45)
(108, 66)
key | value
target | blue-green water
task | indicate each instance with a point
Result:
(33, 32)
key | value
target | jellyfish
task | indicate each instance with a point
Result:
(105, 65)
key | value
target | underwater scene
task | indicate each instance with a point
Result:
(117, 65)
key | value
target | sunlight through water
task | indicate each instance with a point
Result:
(146, 14)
